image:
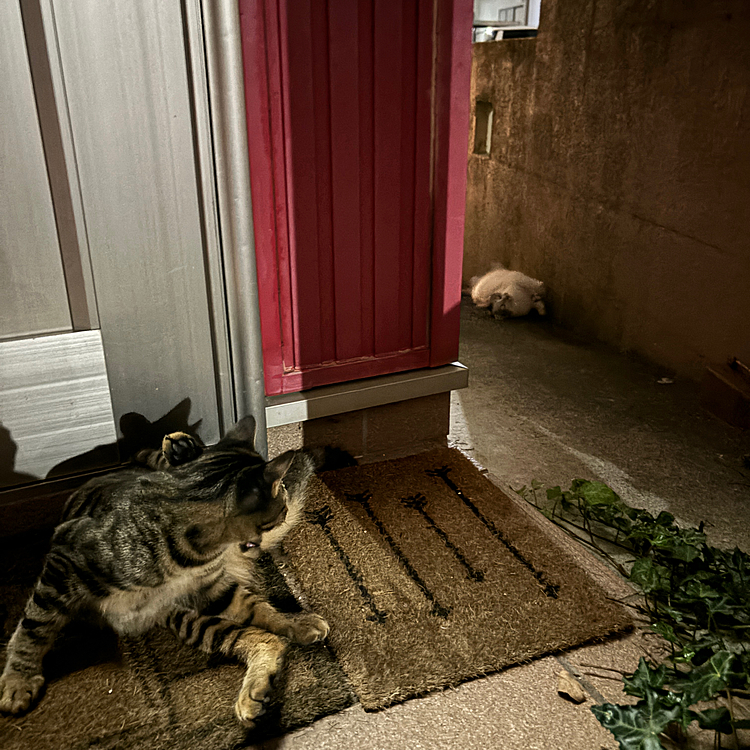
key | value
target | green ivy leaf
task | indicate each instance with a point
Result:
(690, 588)
(662, 538)
(717, 719)
(554, 493)
(707, 645)
(676, 614)
(648, 575)
(597, 493)
(685, 552)
(666, 631)
(692, 536)
(740, 564)
(699, 590)
(703, 682)
(645, 679)
(664, 519)
(635, 727)
(721, 606)
(685, 717)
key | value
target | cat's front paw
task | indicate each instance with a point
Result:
(179, 448)
(18, 692)
(309, 628)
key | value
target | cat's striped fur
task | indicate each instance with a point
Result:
(173, 547)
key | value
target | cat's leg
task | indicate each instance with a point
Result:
(177, 448)
(236, 622)
(247, 606)
(261, 651)
(47, 611)
(538, 304)
(239, 604)
(303, 628)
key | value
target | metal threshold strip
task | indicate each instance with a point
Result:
(328, 400)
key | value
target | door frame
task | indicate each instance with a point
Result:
(451, 28)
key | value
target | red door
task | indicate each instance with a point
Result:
(357, 123)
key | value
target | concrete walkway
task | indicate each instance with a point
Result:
(544, 406)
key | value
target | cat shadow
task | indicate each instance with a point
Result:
(81, 645)
(9, 477)
(137, 433)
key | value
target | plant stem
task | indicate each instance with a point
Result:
(731, 717)
(606, 669)
(603, 676)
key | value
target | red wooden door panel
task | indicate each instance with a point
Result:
(343, 105)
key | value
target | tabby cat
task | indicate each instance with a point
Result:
(173, 546)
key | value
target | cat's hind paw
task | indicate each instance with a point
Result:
(18, 692)
(247, 709)
(538, 304)
(254, 694)
(179, 448)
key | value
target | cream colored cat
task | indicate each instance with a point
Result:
(508, 294)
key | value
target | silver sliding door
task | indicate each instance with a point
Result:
(33, 298)
(111, 302)
(126, 81)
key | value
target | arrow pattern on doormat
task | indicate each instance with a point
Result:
(323, 517)
(418, 503)
(363, 499)
(550, 589)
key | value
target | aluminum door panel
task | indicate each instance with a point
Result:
(126, 79)
(54, 404)
(33, 297)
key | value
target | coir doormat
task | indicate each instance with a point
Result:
(429, 575)
(154, 692)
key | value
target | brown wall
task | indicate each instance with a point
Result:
(619, 172)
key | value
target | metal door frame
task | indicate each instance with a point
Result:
(213, 64)
(224, 86)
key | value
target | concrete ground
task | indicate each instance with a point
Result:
(542, 405)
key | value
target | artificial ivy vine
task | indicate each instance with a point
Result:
(697, 597)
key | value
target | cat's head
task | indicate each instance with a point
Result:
(258, 508)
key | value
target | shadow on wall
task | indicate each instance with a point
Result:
(9, 477)
(138, 432)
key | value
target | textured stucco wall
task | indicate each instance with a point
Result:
(619, 172)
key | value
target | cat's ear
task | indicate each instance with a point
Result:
(276, 470)
(243, 432)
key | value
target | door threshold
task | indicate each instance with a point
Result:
(328, 400)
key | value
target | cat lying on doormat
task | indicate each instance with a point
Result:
(508, 294)
(174, 546)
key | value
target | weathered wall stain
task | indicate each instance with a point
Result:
(619, 172)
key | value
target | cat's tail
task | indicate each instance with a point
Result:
(309, 461)
(330, 458)
(304, 466)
